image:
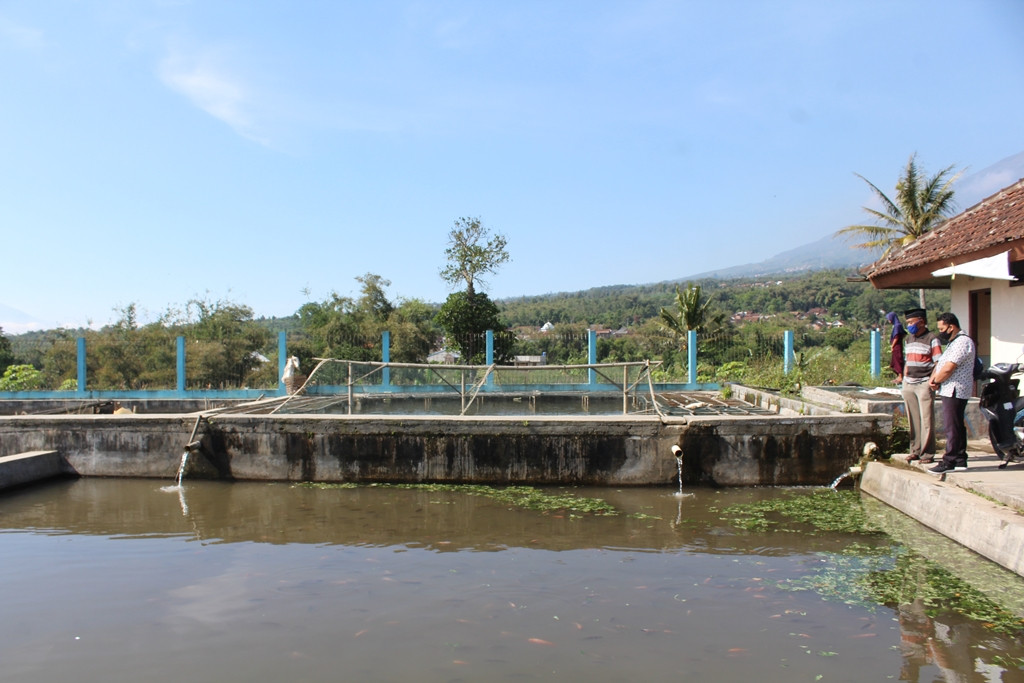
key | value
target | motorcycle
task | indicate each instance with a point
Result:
(1002, 405)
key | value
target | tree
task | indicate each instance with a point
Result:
(373, 301)
(693, 312)
(224, 343)
(6, 353)
(920, 205)
(469, 255)
(466, 315)
(465, 318)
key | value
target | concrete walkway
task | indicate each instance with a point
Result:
(982, 508)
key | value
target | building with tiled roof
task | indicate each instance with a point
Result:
(979, 256)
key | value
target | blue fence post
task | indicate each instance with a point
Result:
(282, 360)
(181, 365)
(691, 356)
(385, 356)
(591, 357)
(81, 365)
(787, 351)
(876, 353)
(489, 355)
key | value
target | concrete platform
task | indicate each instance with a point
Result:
(31, 466)
(981, 509)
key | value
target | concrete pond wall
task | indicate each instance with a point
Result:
(605, 450)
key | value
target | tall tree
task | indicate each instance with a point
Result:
(464, 316)
(919, 206)
(373, 300)
(693, 312)
(472, 251)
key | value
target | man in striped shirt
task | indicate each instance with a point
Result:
(921, 350)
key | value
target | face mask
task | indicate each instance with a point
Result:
(913, 329)
(944, 337)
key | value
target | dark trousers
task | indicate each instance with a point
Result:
(956, 431)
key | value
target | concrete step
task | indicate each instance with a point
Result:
(30, 467)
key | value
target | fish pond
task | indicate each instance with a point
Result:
(126, 580)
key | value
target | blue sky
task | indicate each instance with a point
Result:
(269, 152)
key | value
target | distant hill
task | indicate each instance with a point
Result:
(826, 253)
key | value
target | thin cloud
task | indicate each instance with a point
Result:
(209, 86)
(20, 36)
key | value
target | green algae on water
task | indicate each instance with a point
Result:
(869, 575)
(823, 510)
(519, 496)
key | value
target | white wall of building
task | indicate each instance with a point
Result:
(1007, 338)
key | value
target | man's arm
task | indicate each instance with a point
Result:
(942, 373)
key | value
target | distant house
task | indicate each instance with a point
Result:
(444, 357)
(547, 327)
(979, 256)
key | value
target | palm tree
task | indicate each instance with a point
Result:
(920, 205)
(691, 313)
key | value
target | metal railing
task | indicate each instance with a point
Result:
(338, 377)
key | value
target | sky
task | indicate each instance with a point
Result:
(268, 153)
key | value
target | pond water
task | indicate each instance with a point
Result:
(120, 580)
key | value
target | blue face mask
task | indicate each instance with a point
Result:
(913, 329)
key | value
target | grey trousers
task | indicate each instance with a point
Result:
(920, 403)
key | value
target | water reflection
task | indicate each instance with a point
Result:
(260, 582)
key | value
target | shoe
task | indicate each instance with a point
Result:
(927, 460)
(960, 466)
(912, 457)
(941, 468)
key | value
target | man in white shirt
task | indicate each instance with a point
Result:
(953, 377)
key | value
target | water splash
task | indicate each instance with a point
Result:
(178, 487)
(842, 476)
(180, 475)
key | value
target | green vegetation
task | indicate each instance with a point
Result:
(227, 347)
(21, 378)
(822, 509)
(6, 353)
(517, 496)
(866, 573)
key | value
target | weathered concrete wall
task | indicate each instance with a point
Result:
(777, 451)
(611, 450)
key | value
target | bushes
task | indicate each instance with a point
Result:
(21, 378)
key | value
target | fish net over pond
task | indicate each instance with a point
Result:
(354, 387)
(372, 388)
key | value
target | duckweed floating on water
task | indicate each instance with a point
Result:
(519, 496)
(868, 575)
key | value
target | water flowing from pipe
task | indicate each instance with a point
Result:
(181, 467)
